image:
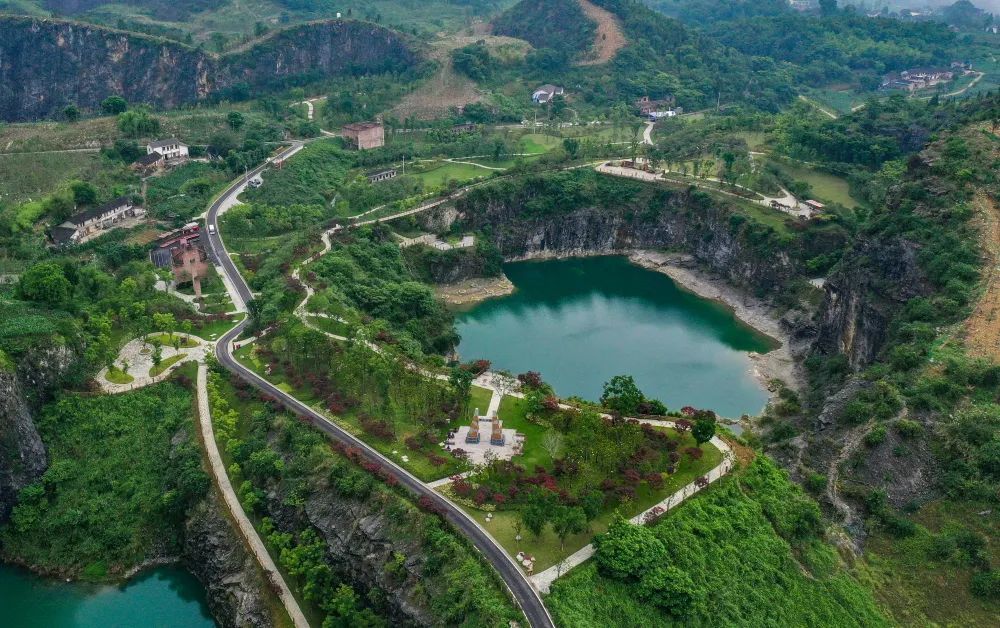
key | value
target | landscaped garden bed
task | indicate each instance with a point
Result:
(578, 469)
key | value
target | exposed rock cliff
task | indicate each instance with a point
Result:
(47, 64)
(22, 454)
(361, 548)
(863, 295)
(215, 554)
(688, 220)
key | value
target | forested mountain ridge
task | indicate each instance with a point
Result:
(46, 64)
(661, 57)
(550, 24)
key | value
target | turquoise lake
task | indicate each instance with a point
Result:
(581, 321)
(167, 597)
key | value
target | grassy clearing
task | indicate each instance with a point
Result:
(438, 177)
(117, 376)
(765, 215)
(480, 398)
(539, 144)
(825, 187)
(920, 590)
(31, 176)
(42, 136)
(512, 412)
(838, 100)
(211, 330)
(165, 340)
(160, 368)
(330, 325)
(546, 548)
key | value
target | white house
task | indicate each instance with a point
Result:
(546, 93)
(657, 115)
(171, 148)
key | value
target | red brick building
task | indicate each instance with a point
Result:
(364, 135)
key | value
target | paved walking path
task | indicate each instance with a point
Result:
(785, 200)
(139, 356)
(253, 540)
(543, 580)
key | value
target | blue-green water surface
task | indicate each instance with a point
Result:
(581, 321)
(161, 598)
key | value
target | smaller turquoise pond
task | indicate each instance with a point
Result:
(581, 321)
(161, 598)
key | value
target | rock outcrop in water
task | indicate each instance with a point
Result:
(47, 64)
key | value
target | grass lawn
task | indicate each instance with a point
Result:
(210, 284)
(538, 144)
(839, 100)
(166, 341)
(765, 215)
(166, 363)
(438, 177)
(480, 398)
(32, 176)
(755, 139)
(254, 245)
(212, 330)
(418, 462)
(330, 326)
(512, 413)
(545, 548)
(825, 187)
(116, 376)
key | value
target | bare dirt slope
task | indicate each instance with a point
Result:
(983, 327)
(982, 330)
(609, 38)
(447, 88)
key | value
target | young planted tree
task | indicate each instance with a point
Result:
(164, 321)
(567, 520)
(552, 442)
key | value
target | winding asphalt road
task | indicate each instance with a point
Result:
(523, 592)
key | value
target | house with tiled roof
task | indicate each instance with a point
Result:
(92, 222)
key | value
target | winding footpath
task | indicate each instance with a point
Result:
(249, 533)
(526, 595)
(544, 579)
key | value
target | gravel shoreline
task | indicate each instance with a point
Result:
(471, 291)
(776, 364)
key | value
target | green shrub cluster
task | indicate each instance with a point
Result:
(123, 471)
(747, 552)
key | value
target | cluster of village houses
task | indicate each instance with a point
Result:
(652, 108)
(90, 223)
(922, 78)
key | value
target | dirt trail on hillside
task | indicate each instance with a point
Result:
(983, 327)
(448, 88)
(609, 38)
